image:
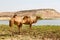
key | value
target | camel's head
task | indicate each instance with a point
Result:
(38, 17)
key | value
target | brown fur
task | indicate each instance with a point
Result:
(22, 20)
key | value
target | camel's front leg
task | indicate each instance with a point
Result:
(19, 28)
(30, 26)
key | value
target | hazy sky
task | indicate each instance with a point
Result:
(16, 5)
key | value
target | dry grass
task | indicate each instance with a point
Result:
(37, 33)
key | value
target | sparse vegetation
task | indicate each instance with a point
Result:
(37, 32)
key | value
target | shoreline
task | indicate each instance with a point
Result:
(5, 18)
(8, 18)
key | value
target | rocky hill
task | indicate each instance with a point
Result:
(44, 13)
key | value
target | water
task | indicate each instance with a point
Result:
(6, 22)
(48, 22)
(40, 22)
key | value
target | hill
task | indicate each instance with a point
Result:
(44, 13)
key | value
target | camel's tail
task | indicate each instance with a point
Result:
(9, 23)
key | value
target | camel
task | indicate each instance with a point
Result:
(29, 20)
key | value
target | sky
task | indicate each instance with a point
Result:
(18, 5)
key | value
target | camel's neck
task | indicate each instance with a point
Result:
(35, 20)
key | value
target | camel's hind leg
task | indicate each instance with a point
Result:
(10, 25)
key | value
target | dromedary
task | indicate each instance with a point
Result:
(22, 20)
